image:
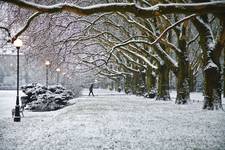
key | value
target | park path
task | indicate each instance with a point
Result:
(117, 121)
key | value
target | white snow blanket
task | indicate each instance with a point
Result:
(114, 121)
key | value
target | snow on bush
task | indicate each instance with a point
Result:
(151, 94)
(41, 98)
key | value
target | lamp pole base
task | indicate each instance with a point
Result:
(17, 114)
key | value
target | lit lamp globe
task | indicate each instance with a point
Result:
(47, 63)
(18, 43)
(58, 69)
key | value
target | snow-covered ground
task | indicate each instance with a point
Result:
(113, 120)
(7, 102)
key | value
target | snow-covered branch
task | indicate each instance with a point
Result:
(151, 33)
(136, 55)
(172, 26)
(123, 65)
(156, 10)
(7, 30)
(25, 26)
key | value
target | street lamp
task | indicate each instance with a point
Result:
(18, 43)
(58, 71)
(63, 78)
(47, 63)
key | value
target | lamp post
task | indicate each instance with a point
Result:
(63, 78)
(18, 43)
(58, 71)
(47, 63)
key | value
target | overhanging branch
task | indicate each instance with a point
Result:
(26, 26)
(156, 10)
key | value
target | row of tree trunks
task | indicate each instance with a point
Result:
(133, 83)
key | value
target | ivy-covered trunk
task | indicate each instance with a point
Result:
(163, 83)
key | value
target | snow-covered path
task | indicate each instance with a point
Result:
(116, 121)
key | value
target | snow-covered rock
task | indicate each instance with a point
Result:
(41, 98)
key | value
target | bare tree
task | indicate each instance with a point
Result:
(157, 55)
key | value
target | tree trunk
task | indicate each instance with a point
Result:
(134, 83)
(150, 80)
(111, 86)
(183, 89)
(117, 84)
(224, 73)
(163, 84)
(127, 84)
(212, 99)
(183, 92)
(192, 80)
(211, 54)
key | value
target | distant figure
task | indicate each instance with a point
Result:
(91, 90)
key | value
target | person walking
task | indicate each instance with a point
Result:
(91, 90)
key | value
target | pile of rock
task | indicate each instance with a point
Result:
(41, 98)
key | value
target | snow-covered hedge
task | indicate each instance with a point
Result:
(41, 98)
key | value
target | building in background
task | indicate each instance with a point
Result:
(8, 66)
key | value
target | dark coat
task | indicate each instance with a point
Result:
(91, 87)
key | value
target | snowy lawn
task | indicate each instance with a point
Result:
(114, 121)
